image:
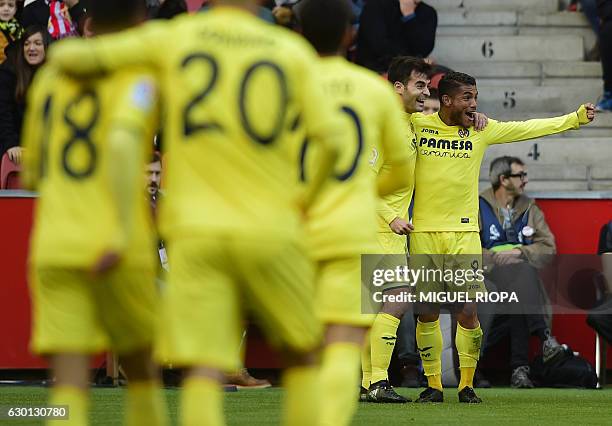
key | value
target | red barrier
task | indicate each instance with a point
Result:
(575, 223)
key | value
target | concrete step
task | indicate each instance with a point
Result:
(602, 171)
(543, 6)
(474, 18)
(588, 36)
(515, 69)
(451, 49)
(601, 185)
(550, 172)
(476, 31)
(555, 150)
(545, 185)
(558, 19)
(496, 99)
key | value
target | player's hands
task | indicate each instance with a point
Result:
(480, 121)
(509, 257)
(586, 113)
(14, 154)
(106, 262)
(401, 227)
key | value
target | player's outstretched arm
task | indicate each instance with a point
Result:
(142, 46)
(514, 131)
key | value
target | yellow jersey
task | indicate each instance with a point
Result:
(237, 91)
(396, 204)
(342, 221)
(68, 161)
(448, 166)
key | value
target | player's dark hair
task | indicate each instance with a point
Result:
(453, 81)
(433, 93)
(116, 15)
(155, 157)
(171, 8)
(324, 23)
(402, 67)
(502, 166)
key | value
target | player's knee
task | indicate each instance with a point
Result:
(396, 308)
(467, 317)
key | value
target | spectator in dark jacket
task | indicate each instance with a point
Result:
(15, 77)
(37, 12)
(390, 28)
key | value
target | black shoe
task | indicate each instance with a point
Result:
(468, 396)
(383, 392)
(430, 395)
(551, 349)
(363, 394)
(520, 378)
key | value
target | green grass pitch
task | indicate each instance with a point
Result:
(261, 407)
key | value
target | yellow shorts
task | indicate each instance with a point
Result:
(339, 291)
(455, 256)
(391, 243)
(73, 312)
(214, 281)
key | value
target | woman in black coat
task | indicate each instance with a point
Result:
(16, 75)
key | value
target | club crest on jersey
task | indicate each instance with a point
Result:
(464, 133)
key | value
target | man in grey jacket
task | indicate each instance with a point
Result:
(516, 242)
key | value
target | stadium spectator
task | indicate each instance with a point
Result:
(62, 18)
(604, 9)
(11, 30)
(432, 103)
(516, 242)
(153, 173)
(390, 28)
(15, 78)
(600, 319)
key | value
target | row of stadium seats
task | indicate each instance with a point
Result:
(9, 174)
(528, 59)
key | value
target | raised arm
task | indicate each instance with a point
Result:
(514, 131)
(142, 46)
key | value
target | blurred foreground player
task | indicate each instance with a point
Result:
(342, 222)
(92, 266)
(238, 91)
(445, 218)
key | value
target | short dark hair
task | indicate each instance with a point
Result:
(433, 93)
(116, 14)
(502, 166)
(171, 8)
(324, 23)
(402, 67)
(452, 81)
(155, 157)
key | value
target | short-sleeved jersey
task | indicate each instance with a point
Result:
(67, 160)
(342, 221)
(448, 166)
(396, 204)
(236, 90)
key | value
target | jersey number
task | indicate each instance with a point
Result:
(351, 170)
(79, 135)
(193, 125)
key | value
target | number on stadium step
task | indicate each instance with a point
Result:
(487, 49)
(509, 100)
(534, 153)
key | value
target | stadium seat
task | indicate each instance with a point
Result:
(9, 174)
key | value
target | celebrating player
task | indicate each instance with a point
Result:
(238, 93)
(92, 258)
(342, 223)
(445, 214)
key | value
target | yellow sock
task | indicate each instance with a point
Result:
(145, 405)
(201, 402)
(77, 402)
(468, 343)
(366, 363)
(339, 378)
(382, 339)
(429, 345)
(301, 404)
